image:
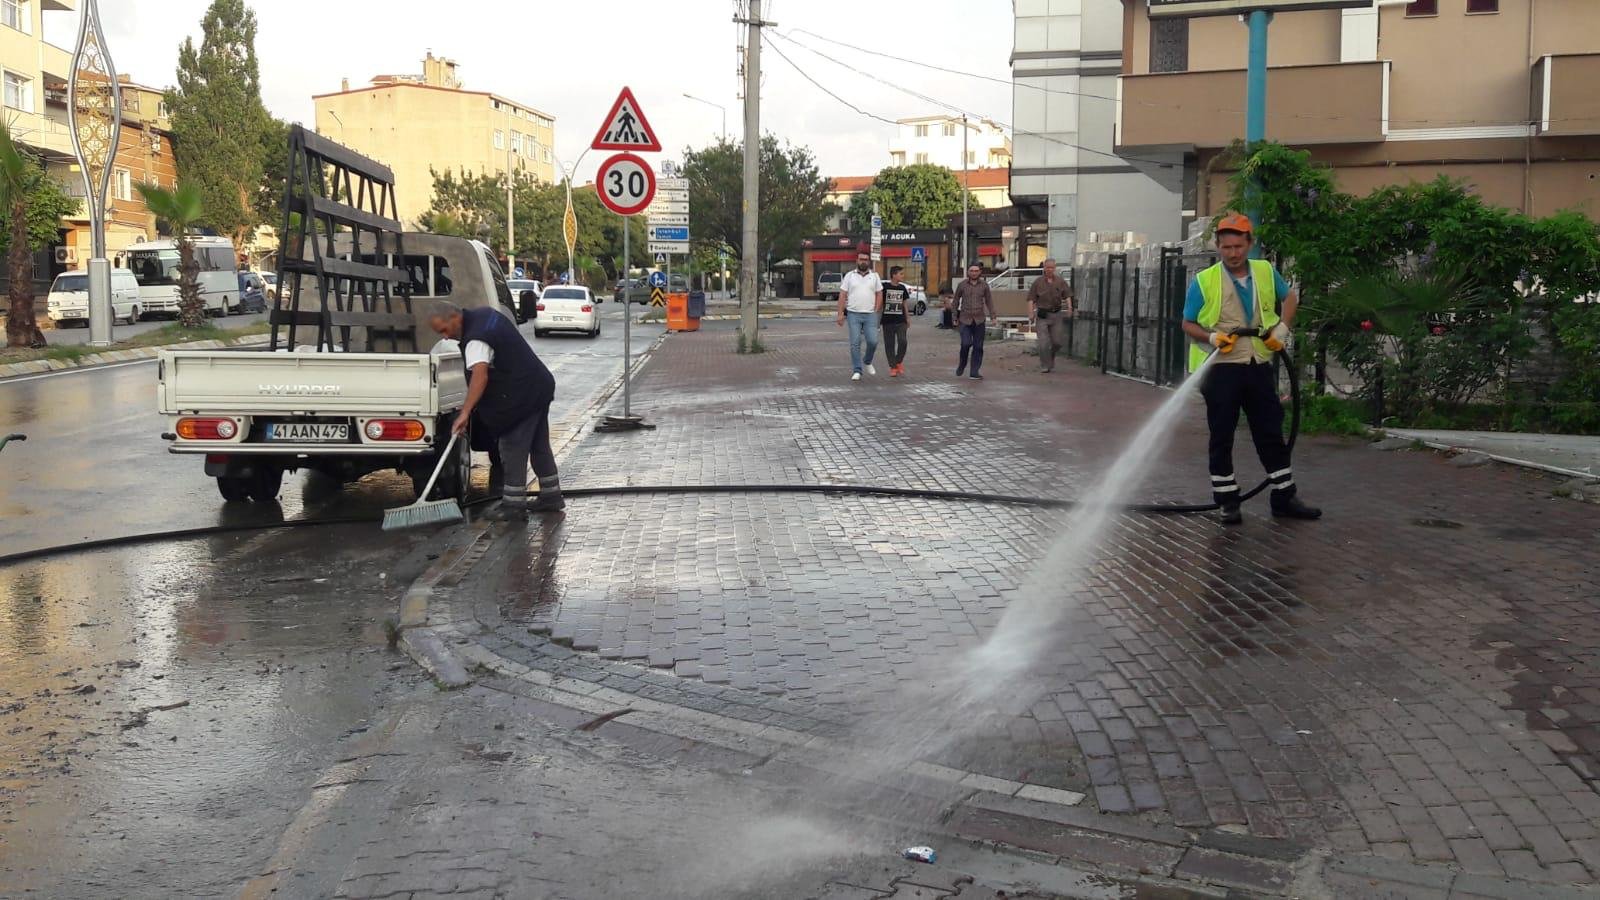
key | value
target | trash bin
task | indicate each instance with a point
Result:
(697, 304)
(678, 317)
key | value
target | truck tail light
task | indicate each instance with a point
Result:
(207, 429)
(395, 430)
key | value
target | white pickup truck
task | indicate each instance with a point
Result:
(255, 414)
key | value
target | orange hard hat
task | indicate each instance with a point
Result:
(1235, 222)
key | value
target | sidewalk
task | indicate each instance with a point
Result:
(1575, 455)
(1414, 678)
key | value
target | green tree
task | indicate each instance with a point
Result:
(31, 207)
(220, 127)
(793, 196)
(916, 196)
(274, 172)
(182, 208)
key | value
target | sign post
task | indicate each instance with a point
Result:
(626, 185)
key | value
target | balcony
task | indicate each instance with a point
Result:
(1337, 103)
(1565, 101)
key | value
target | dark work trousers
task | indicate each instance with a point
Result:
(972, 346)
(894, 341)
(1249, 387)
(528, 440)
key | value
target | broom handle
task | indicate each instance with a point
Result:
(443, 458)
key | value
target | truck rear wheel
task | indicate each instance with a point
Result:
(233, 489)
(455, 478)
(264, 485)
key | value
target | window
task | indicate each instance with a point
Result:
(1483, 6)
(155, 144)
(19, 92)
(516, 142)
(972, 157)
(922, 131)
(122, 184)
(1422, 8)
(547, 154)
(922, 158)
(499, 139)
(14, 14)
(161, 110)
(949, 129)
(1169, 45)
(898, 157)
(130, 100)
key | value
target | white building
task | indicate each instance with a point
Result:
(1065, 61)
(936, 140)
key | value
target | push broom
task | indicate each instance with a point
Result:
(425, 511)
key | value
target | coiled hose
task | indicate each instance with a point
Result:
(864, 490)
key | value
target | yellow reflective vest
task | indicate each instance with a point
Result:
(1266, 305)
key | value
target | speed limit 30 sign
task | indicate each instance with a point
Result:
(626, 184)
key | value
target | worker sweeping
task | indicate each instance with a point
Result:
(510, 391)
(1232, 309)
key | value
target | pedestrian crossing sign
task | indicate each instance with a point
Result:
(658, 297)
(626, 128)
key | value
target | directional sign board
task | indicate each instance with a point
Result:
(667, 208)
(668, 232)
(669, 246)
(1160, 8)
(659, 218)
(658, 296)
(671, 182)
(626, 184)
(658, 279)
(625, 127)
(877, 238)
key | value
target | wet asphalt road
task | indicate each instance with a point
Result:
(168, 707)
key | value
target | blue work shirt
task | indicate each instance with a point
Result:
(1194, 300)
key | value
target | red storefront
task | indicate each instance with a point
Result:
(925, 256)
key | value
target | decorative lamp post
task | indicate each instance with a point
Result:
(94, 105)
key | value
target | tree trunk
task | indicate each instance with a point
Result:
(22, 329)
(191, 306)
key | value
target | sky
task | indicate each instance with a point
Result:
(569, 59)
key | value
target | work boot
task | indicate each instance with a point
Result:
(1230, 514)
(1294, 508)
(549, 499)
(509, 509)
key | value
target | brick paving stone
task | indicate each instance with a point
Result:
(1376, 663)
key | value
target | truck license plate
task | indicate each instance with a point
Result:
(311, 432)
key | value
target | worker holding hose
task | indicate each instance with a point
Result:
(509, 391)
(1232, 311)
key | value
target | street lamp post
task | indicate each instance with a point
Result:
(719, 106)
(94, 105)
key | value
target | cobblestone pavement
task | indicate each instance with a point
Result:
(1416, 676)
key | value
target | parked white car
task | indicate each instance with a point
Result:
(566, 308)
(68, 303)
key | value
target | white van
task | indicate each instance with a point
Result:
(69, 298)
(155, 266)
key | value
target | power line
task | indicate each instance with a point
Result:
(1165, 164)
(1023, 73)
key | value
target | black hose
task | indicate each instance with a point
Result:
(870, 490)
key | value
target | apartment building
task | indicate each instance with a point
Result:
(412, 123)
(35, 74)
(1068, 180)
(937, 140)
(1498, 93)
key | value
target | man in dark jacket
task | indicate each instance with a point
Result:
(509, 390)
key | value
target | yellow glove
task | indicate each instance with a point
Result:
(1277, 338)
(1223, 342)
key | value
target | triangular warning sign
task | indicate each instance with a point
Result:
(625, 127)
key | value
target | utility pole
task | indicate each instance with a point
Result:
(965, 259)
(511, 215)
(749, 290)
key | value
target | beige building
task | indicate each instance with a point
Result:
(1499, 93)
(35, 73)
(414, 122)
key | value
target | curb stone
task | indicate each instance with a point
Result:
(35, 366)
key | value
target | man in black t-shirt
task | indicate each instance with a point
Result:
(895, 318)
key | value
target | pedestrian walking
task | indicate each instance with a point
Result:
(1233, 308)
(509, 391)
(896, 320)
(860, 299)
(1049, 308)
(974, 312)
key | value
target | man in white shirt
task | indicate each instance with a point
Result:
(860, 300)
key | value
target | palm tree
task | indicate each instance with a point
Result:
(16, 181)
(182, 210)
